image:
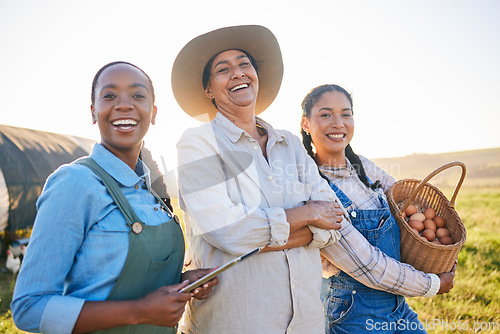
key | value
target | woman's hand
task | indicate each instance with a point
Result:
(322, 214)
(447, 280)
(165, 306)
(328, 215)
(203, 291)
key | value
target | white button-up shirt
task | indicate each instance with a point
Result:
(234, 200)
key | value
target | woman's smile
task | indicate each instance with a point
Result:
(124, 108)
(336, 136)
(125, 125)
(239, 87)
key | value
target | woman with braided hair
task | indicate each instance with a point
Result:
(359, 296)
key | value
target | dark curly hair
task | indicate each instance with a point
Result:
(309, 101)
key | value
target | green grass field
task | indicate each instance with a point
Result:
(475, 299)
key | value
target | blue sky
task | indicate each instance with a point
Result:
(424, 74)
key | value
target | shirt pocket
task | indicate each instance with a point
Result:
(113, 222)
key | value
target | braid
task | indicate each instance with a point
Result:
(307, 142)
(157, 183)
(358, 167)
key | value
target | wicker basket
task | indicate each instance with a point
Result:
(421, 254)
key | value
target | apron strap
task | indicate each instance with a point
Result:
(165, 206)
(113, 189)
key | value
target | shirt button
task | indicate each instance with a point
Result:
(255, 147)
(353, 292)
(293, 286)
(269, 177)
(354, 214)
(156, 209)
(136, 186)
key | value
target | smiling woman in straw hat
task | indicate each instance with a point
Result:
(245, 185)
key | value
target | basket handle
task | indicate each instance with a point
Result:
(431, 175)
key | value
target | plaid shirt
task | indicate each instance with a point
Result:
(355, 256)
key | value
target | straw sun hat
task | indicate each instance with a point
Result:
(188, 67)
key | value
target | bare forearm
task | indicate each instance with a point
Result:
(97, 315)
(299, 217)
(297, 238)
(163, 307)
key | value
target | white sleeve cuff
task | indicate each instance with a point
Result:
(280, 228)
(323, 238)
(60, 314)
(435, 285)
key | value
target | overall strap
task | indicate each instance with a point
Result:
(113, 189)
(346, 201)
(162, 203)
(380, 193)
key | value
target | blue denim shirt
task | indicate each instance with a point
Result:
(79, 242)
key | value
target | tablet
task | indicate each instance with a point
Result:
(219, 270)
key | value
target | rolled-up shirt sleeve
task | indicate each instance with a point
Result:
(323, 238)
(279, 230)
(53, 322)
(355, 256)
(57, 235)
(226, 224)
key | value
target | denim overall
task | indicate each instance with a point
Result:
(350, 306)
(155, 255)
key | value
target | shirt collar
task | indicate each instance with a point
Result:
(338, 172)
(118, 169)
(234, 133)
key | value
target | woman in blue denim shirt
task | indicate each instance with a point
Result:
(350, 306)
(106, 253)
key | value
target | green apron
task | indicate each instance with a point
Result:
(155, 254)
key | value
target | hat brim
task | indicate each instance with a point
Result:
(188, 67)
